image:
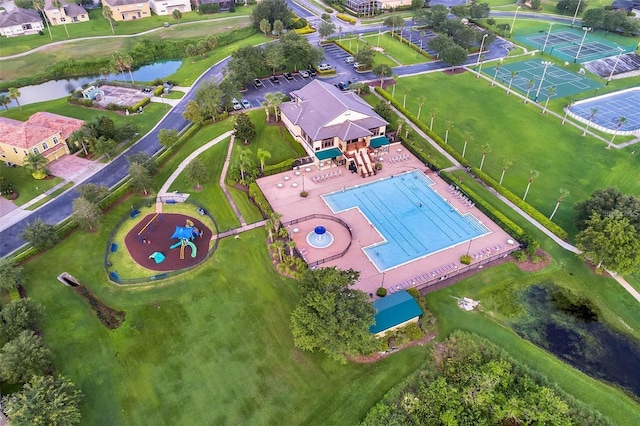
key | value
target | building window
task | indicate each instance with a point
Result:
(35, 151)
(45, 146)
(55, 140)
(327, 143)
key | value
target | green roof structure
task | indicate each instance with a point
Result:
(379, 141)
(394, 309)
(328, 153)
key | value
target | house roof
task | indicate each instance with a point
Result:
(394, 309)
(19, 16)
(323, 111)
(113, 3)
(70, 8)
(37, 128)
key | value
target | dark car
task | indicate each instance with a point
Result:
(274, 79)
(342, 86)
(312, 72)
(257, 83)
(288, 76)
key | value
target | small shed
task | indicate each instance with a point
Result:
(394, 311)
(92, 93)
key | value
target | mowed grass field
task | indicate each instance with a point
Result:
(529, 139)
(399, 51)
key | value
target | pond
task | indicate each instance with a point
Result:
(570, 329)
(57, 89)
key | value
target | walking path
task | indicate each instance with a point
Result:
(223, 177)
(457, 166)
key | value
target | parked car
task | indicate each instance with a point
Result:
(324, 67)
(304, 73)
(236, 104)
(288, 76)
(342, 86)
(349, 59)
(312, 72)
(245, 103)
(166, 24)
(356, 65)
(257, 83)
(274, 79)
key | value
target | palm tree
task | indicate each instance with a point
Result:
(36, 164)
(399, 123)
(5, 101)
(505, 165)
(533, 174)
(395, 81)
(262, 155)
(404, 98)
(105, 71)
(58, 5)
(107, 14)
(621, 121)
(118, 63)
(421, 101)
(275, 100)
(127, 62)
(486, 148)
(422, 34)
(594, 111)
(550, 91)
(267, 109)
(340, 31)
(15, 94)
(563, 194)
(433, 114)
(529, 87)
(566, 109)
(468, 136)
(243, 161)
(81, 138)
(446, 132)
(39, 6)
(513, 75)
(495, 75)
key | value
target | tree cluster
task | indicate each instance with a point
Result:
(472, 11)
(474, 382)
(101, 136)
(332, 317)
(272, 11)
(609, 224)
(610, 20)
(569, 7)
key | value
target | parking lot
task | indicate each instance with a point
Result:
(334, 56)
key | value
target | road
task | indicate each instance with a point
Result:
(61, 207)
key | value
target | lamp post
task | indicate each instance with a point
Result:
(573, 21)
(302, 183)
(379, 28)
(514, 20)
(586, 30)
(478, 64)
(615, 64)
(547, 38)
(382, 285)
(546, 65)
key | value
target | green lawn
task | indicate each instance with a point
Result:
(399, 51)
(27, 187)
(354, 44)
(99, 26)
(519, 133)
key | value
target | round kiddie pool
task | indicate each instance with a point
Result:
(320, 238)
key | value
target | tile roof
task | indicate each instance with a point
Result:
(323, 111)
(394, 309)
(37, 128)
(19, 16)
(113, 3)
(70, 8)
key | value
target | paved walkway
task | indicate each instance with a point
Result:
(223, 177)
(635, 294)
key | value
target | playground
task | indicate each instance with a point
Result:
(564, 82)
(565, 44)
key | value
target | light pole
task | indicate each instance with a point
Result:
(547, 38)
(546, 65)
(478, 64)
(302, 183)
(573, 21)
(379, 28)
(383, 280)
(615, 64)
(586, 30)
(514, 20)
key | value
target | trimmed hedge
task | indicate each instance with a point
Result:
(346, 18)
(305, 30)
(273, 169)
(328, 10)
(140, 104)
(158, 91)
(256, 195)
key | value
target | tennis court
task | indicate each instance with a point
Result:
(565, 44)
(608, 110)
(528, 76)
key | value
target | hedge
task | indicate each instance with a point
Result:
(140, 104)
(305, 30)
(328, 10)
(338, 7)
(530, 210)
(158, 91)
(346, 18)
(423, 52)
(259, 199)
(273, 169)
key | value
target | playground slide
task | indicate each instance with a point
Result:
(175, 245)
(194, 249)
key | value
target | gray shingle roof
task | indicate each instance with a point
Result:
(19, 16)
(113, 3)
(70, 8)
(318, 104)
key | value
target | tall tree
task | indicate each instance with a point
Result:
(208, 98)
(533, 175)
(244, 128)
(278, 26)
(454, 55)
(603, 202)
(486, 148)
(383, 71)
(15, 94)
(45, 400)
(550, 91)
(394, 22)
(58, 5)
(297, 51)
(168, 137)
(421, 101)
(86, 213)
(40, 234)
(103, 146)
(610, 241)
(196, 173)
(274, 57)
(275, 99)
(433, 115)
(505, 166)
(331, 316)
(530, 84)
(193, 113)
(36, 164)
(243, 162)
(448, 126)
(326, 28)
(107, 14)
(39, 6)
(117, 60)
(20, 315)
(81, 138)
(265, 27)
(10, 273)
(177, 15)
(145, 160)
(262, 155)
(564, 193)
(140, 178)
(468, 136)
(512, 76)
(24, 357)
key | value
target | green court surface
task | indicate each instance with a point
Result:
(567, 44)
(564, 82)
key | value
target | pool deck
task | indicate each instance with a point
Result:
(283, 193)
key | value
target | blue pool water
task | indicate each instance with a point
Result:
(413, 219)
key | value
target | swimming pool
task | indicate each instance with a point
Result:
(413, 219)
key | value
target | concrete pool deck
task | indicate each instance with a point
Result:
(283, 193)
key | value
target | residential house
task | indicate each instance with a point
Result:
(222, 4)
(43, 133)
(69, 13)
(20, 22)
(128, 10)
(394, 311)
(166, 7)
(335, 128)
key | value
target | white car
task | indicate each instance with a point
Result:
(349, 60)
(304, 74)
(356, 65)
(324, 67)
(236, 104)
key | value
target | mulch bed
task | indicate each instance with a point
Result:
(159, 239)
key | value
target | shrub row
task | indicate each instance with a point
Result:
(282, 166)
(328, 10)
(305, 30)
(141, 103)
(347, 18)
(158, 91)
(338, 7)
(256, 195)
(80, 101)
(530, 210)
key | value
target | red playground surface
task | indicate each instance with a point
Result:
(156, 237)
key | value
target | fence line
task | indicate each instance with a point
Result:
(327, 217)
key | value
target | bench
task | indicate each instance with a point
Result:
(114, 276)
(114, 247)
(134, 213)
